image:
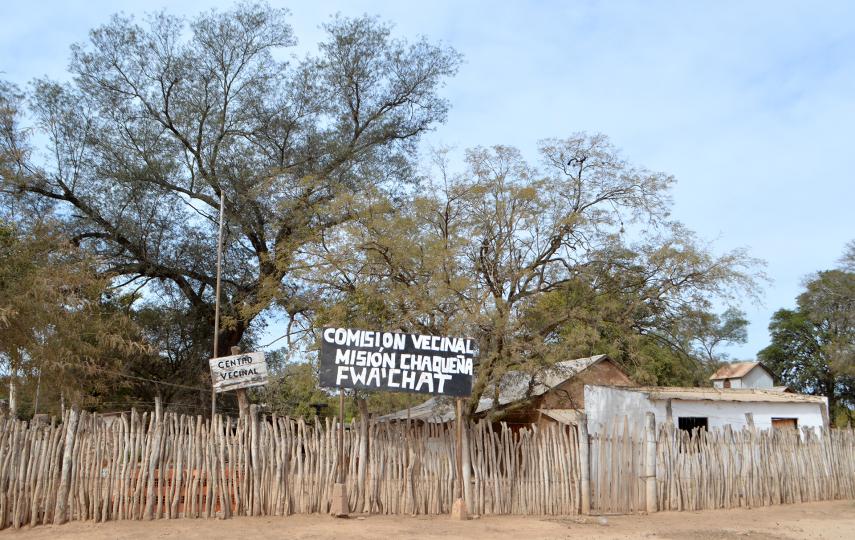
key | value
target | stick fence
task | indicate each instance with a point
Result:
(146, 466)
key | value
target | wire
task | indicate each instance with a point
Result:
(176, 385)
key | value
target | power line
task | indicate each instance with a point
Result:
(176, 385)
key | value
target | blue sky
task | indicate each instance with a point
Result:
(751, 105)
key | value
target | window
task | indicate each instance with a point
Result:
(688, 423)
(727, 383)
(785, 423)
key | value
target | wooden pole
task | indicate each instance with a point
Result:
(339, 506)
(361, 473)
(158, 409)
(458, 488)
(38, 391)
(650, 462)
(584, 466)
(341, 435)
(217, 300)
(458, 509)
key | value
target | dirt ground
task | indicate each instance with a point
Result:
(814, 520)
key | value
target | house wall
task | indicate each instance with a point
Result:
(723, 413)
(604, 404)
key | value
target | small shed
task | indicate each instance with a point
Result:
(744, 375)
(555, 394)
(709, 408)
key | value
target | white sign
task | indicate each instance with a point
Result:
(238, 371)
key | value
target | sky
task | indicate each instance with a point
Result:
(750, 105)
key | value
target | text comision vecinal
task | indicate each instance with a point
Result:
(395, 362)
(238, 371)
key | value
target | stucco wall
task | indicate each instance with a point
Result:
(722, 413)
(602, 404)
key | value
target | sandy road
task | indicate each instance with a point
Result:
(814, 520)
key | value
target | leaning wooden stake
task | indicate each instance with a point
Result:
(584, 466)
(650, 462)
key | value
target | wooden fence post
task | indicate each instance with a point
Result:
(458, 508)
(59, 515)
(584, 465)
(339, 504)
(256, 460)
(362, 504)
(467, 465)
(650, 462)
(158, 410)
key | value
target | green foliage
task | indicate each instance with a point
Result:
(569, 254)
(162, 117)
(57, 331)
(812, 347)
(532, 261)
(293, 390)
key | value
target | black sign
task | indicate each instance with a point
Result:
(394, 362)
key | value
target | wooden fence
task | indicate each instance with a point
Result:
(704, 470)
(138, 466)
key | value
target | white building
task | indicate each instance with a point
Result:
(711, 408)
(743, 375)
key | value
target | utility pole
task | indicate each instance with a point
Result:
(217, 299)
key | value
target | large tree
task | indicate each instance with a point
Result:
(812, 347)
(540, 262)
(163, 118)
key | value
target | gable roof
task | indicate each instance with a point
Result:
(513, 386)
(735, 370)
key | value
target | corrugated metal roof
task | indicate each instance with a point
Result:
(513, 386)
(735, 370)
(436, 410)
(721, 394)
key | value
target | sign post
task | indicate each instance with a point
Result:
(395, 362)
(339, 506)
(458, 509)
(217, 300)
